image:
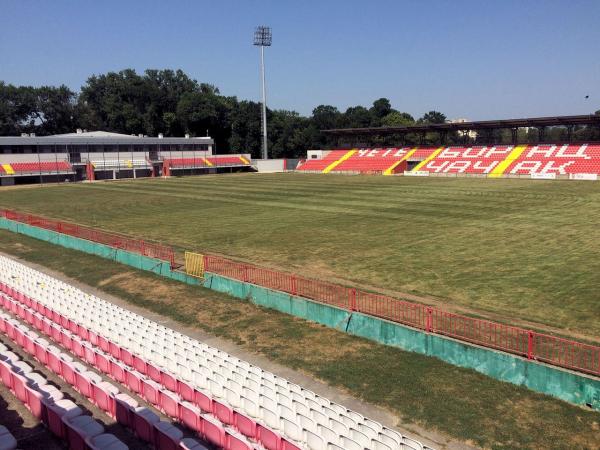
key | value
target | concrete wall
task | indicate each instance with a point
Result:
(269, 165)
(138, 261)
(569, 386)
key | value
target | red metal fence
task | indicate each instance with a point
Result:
(115, 240)
(530, 344)
(519, 341)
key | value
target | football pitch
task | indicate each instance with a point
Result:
(517, 251)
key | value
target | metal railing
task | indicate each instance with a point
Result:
(115, 240)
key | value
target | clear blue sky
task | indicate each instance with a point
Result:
(467, 58)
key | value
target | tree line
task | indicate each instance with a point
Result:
(172, 103)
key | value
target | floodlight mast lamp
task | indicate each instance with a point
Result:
(263, 38)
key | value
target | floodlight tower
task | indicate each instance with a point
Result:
(263, 38)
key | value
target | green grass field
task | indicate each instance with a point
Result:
(518, 251)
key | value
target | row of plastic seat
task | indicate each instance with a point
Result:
(7, 440)
(298, 414)
(178, 163)
(63, 417)
(314, 413)
(106, 396)
(317, 165)
(208, 382)
(35, 167)
(197, 408)
(100, 164)
(533, 159)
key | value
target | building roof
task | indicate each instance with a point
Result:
(93, 134)
(590, 119)
(99, 137)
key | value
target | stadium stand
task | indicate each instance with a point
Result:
(101, 155)
(475, 160)
(35, 168)
(386, 161)
(217, 161)
(230, 403)
(549, 160)
(110, 164)
(63, 417)
(557, 159)
(318, 165)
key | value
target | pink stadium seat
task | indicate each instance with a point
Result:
(153, 372)
(235, 441)
(191, 444)
(6, 372)
(166, 436)
(212, 430)
(139, 364)
(104, 397)
(84, 382)
(124, 409)
(268, 438)
(168, 380)
(118, 371)
(185, 390)
(202, 401)
(189, 415)
(80, 428)
(169, 403)
(134, 381)
(151, 391)
(56, 411)
(143, 423)
(105, 442)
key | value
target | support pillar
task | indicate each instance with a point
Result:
(515, 135)
(541, 134)
(443, 137)
(89, 171)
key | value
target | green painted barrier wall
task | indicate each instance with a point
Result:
(570, 386)
(136, 260)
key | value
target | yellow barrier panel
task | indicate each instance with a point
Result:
(194, 264)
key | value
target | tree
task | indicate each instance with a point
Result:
(397, 119)
(246, 128)
(357, 117)
(43, 110)
(381, 108)
(433, 117)
(325, 117)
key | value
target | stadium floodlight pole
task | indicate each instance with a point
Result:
(263, 38)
